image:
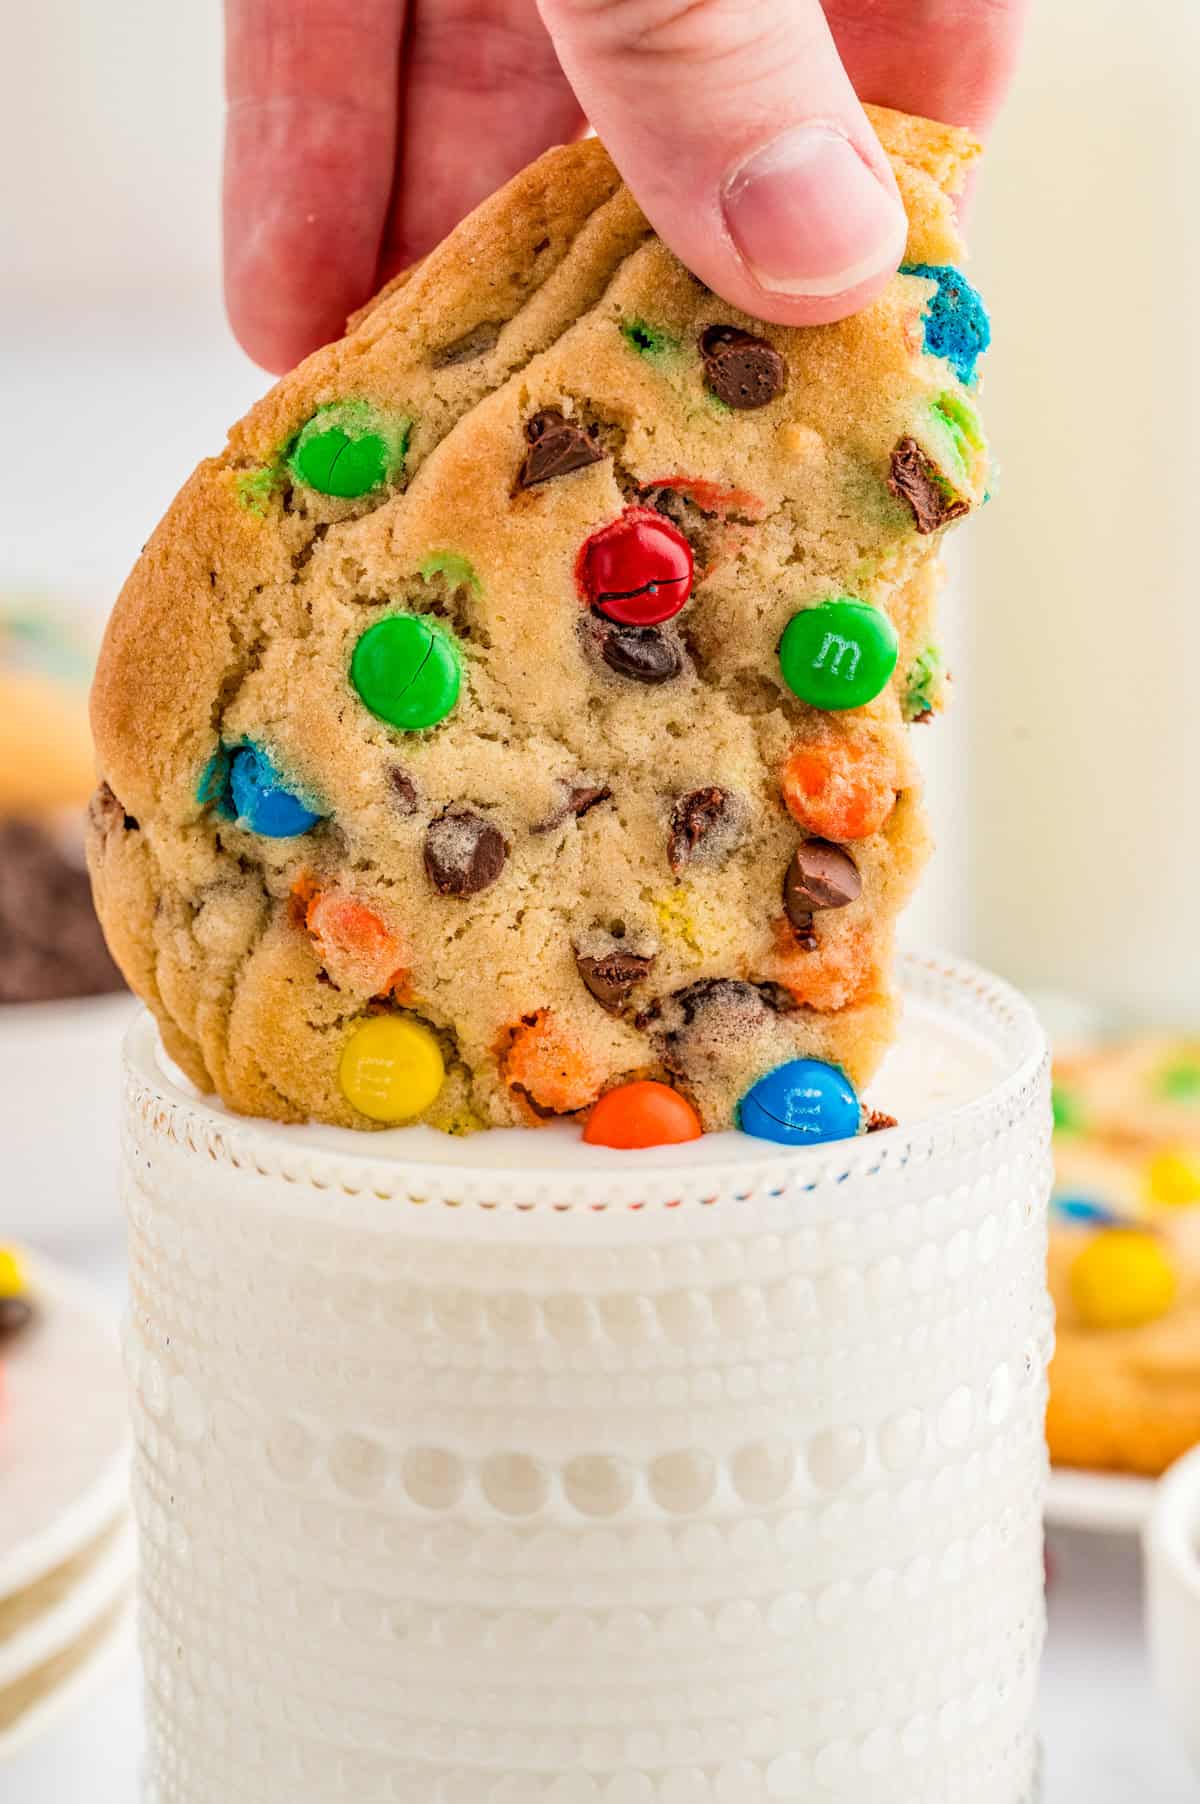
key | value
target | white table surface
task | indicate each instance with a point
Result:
(1106, 1738)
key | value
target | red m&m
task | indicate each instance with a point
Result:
(638, 571)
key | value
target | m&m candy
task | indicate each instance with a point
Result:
(1083, 1209)
(261, 799)
(16, 1311)
(391, 1069)
(407, 671)
(1173, 1176)
(956, 321)
(638, 571)
(1123, 1278)
(839, 791)
(346, 450)
(839, 654)
(800, 1104)
(642, 1114)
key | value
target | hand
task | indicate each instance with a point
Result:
(358, 135)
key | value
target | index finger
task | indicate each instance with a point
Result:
(310, 148)
(946, 59)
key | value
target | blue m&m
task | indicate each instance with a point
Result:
(800, 1104)
(957, 326)
(261, 800)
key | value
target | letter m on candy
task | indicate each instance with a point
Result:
(841, 650)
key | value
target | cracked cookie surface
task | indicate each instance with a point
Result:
(478, 686)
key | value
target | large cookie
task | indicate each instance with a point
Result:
(517, 707)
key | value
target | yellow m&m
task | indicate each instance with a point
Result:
(13, 1282)
(1173, 1176)
(1123, 1278)
(391, 1069)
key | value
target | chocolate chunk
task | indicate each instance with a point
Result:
(821, 875)
(404, 790)
(576, 801)
(706, 825)
(643, 653)
(556, 447)
(16, 1313)
(916, 479)
(611, 976)
(742, 370)
(463, 853)
(877, 1121)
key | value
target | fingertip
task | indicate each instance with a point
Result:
(305, 199)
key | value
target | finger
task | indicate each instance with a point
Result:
(483, 94)
(738, 129)
(310, 146)
(948, 59)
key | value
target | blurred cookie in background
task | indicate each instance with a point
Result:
(1125, 1254)
(51, 946)
(63, 1005)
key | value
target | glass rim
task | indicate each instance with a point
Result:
(323, 1159)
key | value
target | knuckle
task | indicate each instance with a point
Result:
(681, 29)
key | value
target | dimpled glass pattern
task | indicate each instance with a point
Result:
(459, 1488)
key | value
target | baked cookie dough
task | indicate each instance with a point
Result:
(1125, 1255)
(516, 711)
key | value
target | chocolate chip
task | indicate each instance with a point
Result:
(821, 875)
(404, 790)
(706, 825)
(576, 801)
(642, 653)
(611, 976)
(556, 447)
(916, 479)
(16, 1313)
(742, 370)
(877, 1121)
(463, 853)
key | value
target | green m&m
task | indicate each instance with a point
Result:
(407, 671)
(347, 450)
(839, 654)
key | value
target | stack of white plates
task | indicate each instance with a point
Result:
(66, 1547)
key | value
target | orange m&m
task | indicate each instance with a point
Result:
(839, 790)
(642, 1114)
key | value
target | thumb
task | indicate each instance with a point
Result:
(738, 130)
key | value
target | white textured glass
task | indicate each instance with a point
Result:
(689, 1485)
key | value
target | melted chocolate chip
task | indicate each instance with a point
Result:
(16, 1313)
(612, 975)
(700, 1026)
(643, 653)
(107, 812)
(741, 369)
(576, 801)
(877, 1121)
(706, 825)
(463, 853)
(404, 790)
(556, 447)
(916, 479)
(821, 875)
(475, 343)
